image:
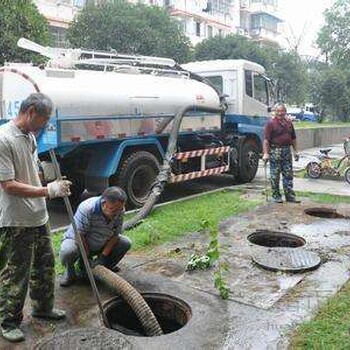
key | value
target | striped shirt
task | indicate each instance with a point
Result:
(93, 225)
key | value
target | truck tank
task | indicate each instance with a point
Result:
(92, 104)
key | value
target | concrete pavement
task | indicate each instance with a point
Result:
(336, 186)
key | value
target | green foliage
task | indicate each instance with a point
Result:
(286, 70)
(330, 328)
(330, 91)
(131, 29)
(21, 19)
(212, 256)
(334, 37)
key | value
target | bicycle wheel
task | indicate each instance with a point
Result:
(346, 145)
(313, 170)
(347, 175)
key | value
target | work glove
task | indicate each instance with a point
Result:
(296, 156)
(59, 188)
(48, 171)
(265, 158)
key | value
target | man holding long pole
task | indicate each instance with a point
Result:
(26, 256)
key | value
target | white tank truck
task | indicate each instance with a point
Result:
(114, 113)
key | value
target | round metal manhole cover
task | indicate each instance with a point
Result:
(327, 213)
(286, 259)
(86, 339)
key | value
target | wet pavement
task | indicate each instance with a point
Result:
(263, 306)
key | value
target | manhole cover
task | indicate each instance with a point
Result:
(324, 213)
(268, 238)
(286, 259)
(172, 314)
(87, 339)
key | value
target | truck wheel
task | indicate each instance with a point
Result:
(249, 162)
(137, 175)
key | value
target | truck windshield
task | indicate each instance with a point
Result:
(260, 89)
(256, 86)
(217, 81)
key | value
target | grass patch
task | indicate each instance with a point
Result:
(311, 125)
(330, 328)
(325, 198)
(169, 222)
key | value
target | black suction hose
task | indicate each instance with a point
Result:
(164, 173)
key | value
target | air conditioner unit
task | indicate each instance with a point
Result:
(240, 31)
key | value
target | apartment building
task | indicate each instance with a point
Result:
(260, 20)
(199, 19)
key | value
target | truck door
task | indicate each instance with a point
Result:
(255, 96)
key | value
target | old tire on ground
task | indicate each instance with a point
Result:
(313, 170)
(249, 162)
(137, 176)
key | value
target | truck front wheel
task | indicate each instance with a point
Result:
(249, 162)
(137, 176)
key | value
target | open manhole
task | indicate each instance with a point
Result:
(324, 213)
(172, 314)
(268, 238)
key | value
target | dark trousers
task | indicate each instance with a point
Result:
(281, 162)
(26, 259)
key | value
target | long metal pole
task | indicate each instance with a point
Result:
(265, 182)
(80, 241)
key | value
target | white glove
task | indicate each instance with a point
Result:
(266, 157)
(59, 188)
(48, 171)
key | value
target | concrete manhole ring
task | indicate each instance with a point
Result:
(87, 339)
(267, 238)
(171, 312)
(286, 259)
(327, 213)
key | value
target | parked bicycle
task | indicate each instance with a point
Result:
(326, 165)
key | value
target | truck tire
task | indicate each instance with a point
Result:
(249, 162)
(137, 176)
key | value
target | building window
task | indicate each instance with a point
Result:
(198, 28)
(265, 21)
(210, 32)
(220, 6)
(79, 3)
(59, 36)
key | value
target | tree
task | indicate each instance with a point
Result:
(286, 70)
(20, 19)
(128, 28)
(229, 47)
(330, 91)
(334, 37)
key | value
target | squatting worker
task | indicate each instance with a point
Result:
(99, 221)
(279, 138)
(26, 255)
